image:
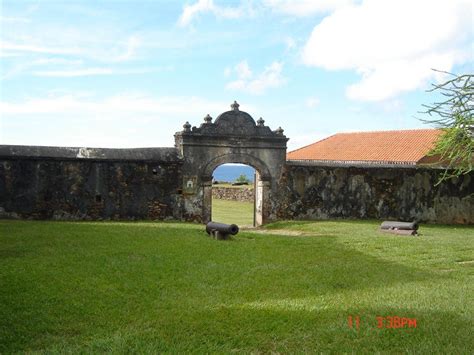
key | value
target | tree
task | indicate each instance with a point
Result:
(454, 115)
(242, 179)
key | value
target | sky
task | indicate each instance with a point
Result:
(131, 73)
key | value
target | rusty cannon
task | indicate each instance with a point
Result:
(402, 228)
(221, 231)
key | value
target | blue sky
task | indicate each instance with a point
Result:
(130, 73)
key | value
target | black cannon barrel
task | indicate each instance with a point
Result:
(222, 227)
(399, 225)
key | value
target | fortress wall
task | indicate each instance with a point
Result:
(89, 184)
(398, 193)
(95, 184)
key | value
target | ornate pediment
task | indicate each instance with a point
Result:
(233, 123)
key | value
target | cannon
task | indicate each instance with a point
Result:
(402, 228)
(399, 225)
(221, 231)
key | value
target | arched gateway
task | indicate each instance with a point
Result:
(234, 137)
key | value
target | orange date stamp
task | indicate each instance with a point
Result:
(386, 322)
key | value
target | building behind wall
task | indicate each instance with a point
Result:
(381, 175)
(384, 148)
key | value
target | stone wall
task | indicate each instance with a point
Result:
(323, 192)
(245, 194)
(84, 184)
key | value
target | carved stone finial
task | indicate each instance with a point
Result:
(187, 127)
(260, 122)
(235, 106)
(279, 131)
(208, 119)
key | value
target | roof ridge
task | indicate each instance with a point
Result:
(391, 131)
(309, 145)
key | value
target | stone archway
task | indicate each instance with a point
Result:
(234, 137)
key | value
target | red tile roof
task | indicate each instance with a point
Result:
(383, 147)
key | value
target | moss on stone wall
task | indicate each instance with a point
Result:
(322, 192)
(88, 189)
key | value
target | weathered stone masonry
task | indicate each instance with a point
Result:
(405, 193)
(176, 183)
(245, 194)
(234, 137)
(79, 183)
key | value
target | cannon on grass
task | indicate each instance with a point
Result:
(221, 231)
(401, 228)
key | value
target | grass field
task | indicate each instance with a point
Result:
(237, 212)
(167, 287)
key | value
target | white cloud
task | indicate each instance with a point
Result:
(13, 47)
(302, 8)
(57, 61)
(271, 77)
(89, 72)
(202, 6)
(312, 102)
(190, 11)
(301, 140)
(69, 58)
(290, 43)
(23, 66)
(133, 43)
(243, 70)
(124, 103)
(74, 73)
(299, 8)
(13, 20)
(139, 120)
(227, 72)
(392, 44)
(8, 55)
(73, 44)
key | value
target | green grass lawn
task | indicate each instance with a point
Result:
(167, 287)
(237, 212)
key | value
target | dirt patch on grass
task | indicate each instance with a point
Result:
(285, 232)
(466, 262)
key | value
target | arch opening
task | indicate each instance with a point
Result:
(259, 179)
(236, 158)
(233, 194)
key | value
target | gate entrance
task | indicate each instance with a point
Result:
(234, 137)
(233, 195)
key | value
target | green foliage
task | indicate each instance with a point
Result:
(454, 115)
(242, 178)
(141, 287)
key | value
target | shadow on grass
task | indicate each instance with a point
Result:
(142, 289)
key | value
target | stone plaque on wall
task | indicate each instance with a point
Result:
(189, 184)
